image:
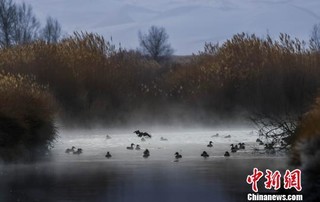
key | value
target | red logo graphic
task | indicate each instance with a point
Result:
(293, 179)
(254, 178)
(273, 179)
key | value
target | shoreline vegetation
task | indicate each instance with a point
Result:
(91, 80)
(82, 79)
(26, 118)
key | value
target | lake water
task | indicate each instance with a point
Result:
(127, 176)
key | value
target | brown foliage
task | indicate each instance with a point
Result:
(26, 118)
(91, 78)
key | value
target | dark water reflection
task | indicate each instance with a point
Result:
(191, 180)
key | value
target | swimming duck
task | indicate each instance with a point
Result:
(216, 135)
(143, 140)
(146, 153)
(131, 147)
(163, 139)
(177, 155)
(205, 154)
(138, 147)
(242, 145)
(227, 136)
(233, 148)
(269, 146)
(226, 154)
(108, 155)
(79, 151)
(210, 144)
(70, 150)
(108, 137)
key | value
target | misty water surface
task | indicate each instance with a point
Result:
(129, 177)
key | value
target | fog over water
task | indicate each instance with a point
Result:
(127, 176)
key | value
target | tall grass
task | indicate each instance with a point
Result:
(26, 118)
(252, 73)
(92, 79)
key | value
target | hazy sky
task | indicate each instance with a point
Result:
(188, 23)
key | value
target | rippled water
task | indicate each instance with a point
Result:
(129, 177)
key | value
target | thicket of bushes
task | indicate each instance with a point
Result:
(305, 152)
(91, 79)
(26, 118)
(256, 74)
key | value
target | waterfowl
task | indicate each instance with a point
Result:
(138, 133)
(233, 148)
(108, 155)
(79, 151)
(108, 137)
(70, 150)
(242, 145)
(227, 136)
(216, 135)
(269, 146)
(143, 140)
(205, 154)
(142, 134)
(145, 134)
(226, 154)
(163, 139)
(210, 144)
(177, 155)
(138, 147)
(146, 153)
(131, 147)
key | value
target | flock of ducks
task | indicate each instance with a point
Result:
(73, 150)
(236, 147)
(146, 153)
(132, 147)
